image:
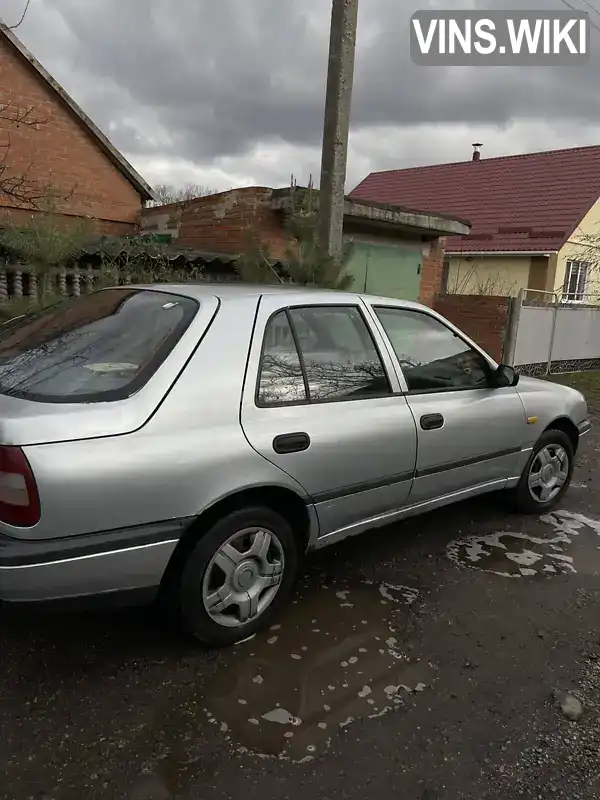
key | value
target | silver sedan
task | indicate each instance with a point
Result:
(190, 442)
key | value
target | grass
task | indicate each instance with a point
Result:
(588, 383)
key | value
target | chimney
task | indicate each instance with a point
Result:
(476, 153)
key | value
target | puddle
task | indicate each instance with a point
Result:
(335, 659)
(572, 545)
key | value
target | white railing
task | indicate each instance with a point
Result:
(17, 281)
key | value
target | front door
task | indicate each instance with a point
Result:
(469, 434)
(322, 401)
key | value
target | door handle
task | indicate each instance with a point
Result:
(291, 443)
(430, 422)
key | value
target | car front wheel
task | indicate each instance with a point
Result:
(237, 576)
(547, 475)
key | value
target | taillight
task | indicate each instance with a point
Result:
(19, 499)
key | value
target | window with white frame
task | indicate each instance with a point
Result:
(576, 281)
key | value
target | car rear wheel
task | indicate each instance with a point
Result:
(237, 576)
(547, 475)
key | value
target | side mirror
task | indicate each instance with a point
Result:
(506, 376)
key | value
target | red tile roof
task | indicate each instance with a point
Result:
(530, 202)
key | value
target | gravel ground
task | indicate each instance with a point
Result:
(454, 656)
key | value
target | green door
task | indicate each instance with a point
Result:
(385, 270)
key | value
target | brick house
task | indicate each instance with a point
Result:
(66, 151)
(396, 252)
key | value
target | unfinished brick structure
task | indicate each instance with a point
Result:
(66, 151)
(229, 221)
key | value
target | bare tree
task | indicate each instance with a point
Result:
(282, 380)
(167, 194)
(475, 280)
(18, 186)
(584, 258)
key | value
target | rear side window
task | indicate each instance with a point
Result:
(281, 378)
(104, 346)
(319, 354)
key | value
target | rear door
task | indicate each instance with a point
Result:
(322, 402)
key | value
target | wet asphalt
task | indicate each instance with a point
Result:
(440, 659)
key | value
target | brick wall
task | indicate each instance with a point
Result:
(432, 273)
(61, 152)
(225, 223)
(483, 318)
(24, 218)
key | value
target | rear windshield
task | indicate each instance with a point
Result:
(103, 346)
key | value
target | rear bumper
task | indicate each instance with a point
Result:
(121, 561)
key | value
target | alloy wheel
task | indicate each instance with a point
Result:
(243, 577)
(548, 473)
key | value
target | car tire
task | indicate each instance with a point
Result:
(237, 576)
(554, 453)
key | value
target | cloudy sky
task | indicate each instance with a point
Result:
(231, 92)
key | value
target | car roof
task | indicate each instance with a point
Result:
(233, 291)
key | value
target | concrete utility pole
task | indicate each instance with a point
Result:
(340, 76)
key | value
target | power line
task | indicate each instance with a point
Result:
(593, 8)
(577, 10)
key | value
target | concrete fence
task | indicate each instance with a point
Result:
(548, 335)
(537, 331)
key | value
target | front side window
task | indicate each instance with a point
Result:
(431, 355)
(320, 354)
(103, 346)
